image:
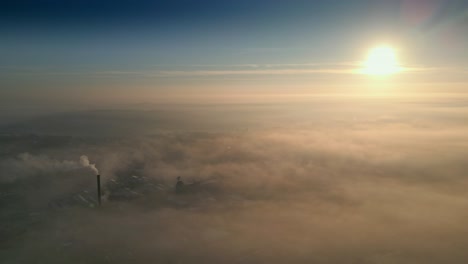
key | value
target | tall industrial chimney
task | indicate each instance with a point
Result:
(98, 177)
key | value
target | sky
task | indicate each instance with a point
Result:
(290, 149)
(107, 52)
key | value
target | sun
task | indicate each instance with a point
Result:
(381, 61)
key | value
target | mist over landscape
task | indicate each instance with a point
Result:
(234, 131)
(334, 180)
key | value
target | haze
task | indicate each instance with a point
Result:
(289, 153)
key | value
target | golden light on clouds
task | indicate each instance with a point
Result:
(381, 61)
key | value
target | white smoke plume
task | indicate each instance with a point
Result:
(84, 161)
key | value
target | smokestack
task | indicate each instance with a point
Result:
(98, 177)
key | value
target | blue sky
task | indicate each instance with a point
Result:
(252, 43)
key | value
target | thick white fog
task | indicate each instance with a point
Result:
(331, 180)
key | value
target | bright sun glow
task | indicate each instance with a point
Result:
(381, 61)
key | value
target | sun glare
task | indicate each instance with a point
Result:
(381, 61)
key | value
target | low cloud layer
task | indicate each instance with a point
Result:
(332, 182)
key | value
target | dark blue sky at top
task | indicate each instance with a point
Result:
(132, 34)
(88, 12)
(189, 17)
